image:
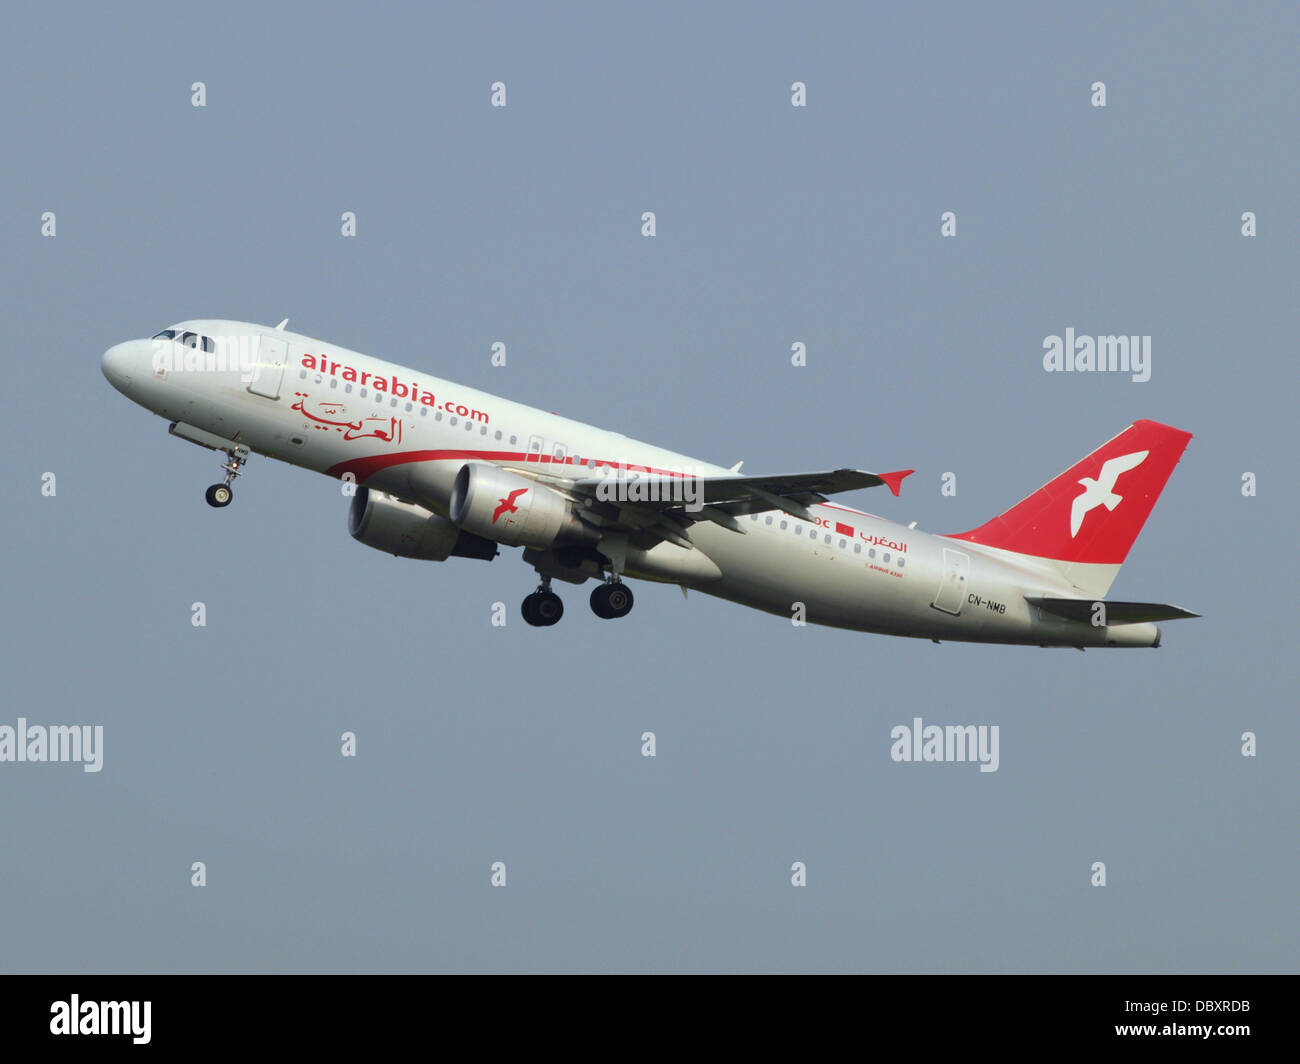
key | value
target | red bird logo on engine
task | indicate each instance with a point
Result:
(507, 504)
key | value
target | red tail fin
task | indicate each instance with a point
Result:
(1093, 511)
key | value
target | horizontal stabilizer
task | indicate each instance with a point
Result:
(1116, 612)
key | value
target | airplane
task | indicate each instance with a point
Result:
(437, 470)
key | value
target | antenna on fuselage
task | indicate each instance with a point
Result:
(280, 327)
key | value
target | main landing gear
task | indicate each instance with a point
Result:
(223, 494)
(611, 599)
(543, 607)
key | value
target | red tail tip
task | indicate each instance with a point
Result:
(894, 481)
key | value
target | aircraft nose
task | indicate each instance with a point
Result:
(120, 363)
(116, 364)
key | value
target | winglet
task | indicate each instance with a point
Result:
(894, 481)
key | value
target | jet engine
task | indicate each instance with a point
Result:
(492, 502)
(411, 531)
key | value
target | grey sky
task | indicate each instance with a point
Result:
(775, 225)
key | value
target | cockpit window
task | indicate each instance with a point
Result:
(189, 339)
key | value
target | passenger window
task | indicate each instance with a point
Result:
(347, 387)
(828, 539)
(363, 393)
(885, 559)
(798, 530)
(451, 420)
(437, 416)
(302, 374)
(334, 382)
(424, 411)
(843, 544)
(514, 439)
(857, 548)
(784, 525)
(901, 562)
(484, 432)
(498, 434)
(392, 402)
(871, 553)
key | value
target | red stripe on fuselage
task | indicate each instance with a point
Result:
(364, 468)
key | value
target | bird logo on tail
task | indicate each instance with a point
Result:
(1101, 492)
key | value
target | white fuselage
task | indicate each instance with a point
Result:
(411, 436)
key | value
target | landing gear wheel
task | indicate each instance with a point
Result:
(542, 609)
(220, 495)
(549, 609)
(610, 601)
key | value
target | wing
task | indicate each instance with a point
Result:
(713, 491)
(664, 506)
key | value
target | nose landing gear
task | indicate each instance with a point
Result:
(219, 495)
(223, 494)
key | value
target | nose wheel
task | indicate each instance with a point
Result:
(219, 495)
(223, 494)
(611, 600)
(543, 607)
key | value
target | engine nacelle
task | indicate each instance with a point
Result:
(491, 502)
(410, 531)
